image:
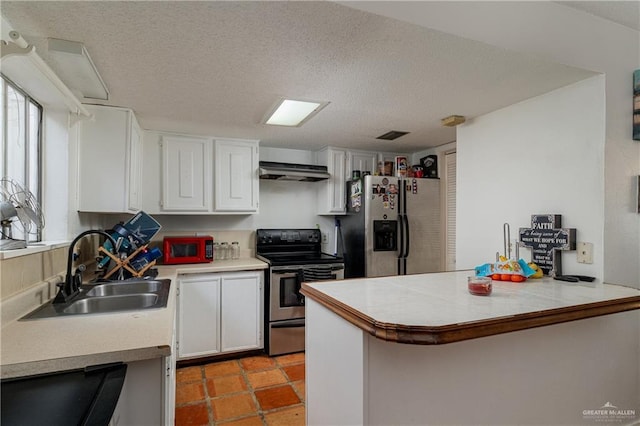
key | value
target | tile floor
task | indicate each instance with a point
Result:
(257, 390)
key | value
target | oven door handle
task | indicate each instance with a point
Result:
(288, 271)
(288, 324)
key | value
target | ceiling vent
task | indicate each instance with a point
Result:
(394, 134)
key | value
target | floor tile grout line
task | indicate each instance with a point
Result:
(253, 394)
(277, 365)
(207, 400)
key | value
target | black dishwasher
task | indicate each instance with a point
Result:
(77, 397)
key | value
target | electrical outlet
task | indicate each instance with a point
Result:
(585, 252)
(325, 237)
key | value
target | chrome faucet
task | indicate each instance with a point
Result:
(69, 288)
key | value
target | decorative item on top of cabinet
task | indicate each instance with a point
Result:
(109, 161)
(219, 313)
(331, 193)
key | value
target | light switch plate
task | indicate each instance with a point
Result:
(585, 252)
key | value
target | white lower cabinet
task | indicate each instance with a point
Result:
(198, 315)
(219, 313)
(240, 312)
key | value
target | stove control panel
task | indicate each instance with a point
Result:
(288, 236)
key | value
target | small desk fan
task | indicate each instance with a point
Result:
(19, 212)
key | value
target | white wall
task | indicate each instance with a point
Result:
(560, 33)
(543, 155)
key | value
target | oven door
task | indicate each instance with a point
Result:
(285, 300)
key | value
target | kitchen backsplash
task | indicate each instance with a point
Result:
(20, 273)
(245, 238)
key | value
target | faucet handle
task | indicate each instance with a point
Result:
(61, 296)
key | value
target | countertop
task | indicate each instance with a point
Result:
(437, 308)
(242, 264)
(67, 343)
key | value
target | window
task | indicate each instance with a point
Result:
(20, 153)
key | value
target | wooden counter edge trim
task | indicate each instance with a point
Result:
(438, 335)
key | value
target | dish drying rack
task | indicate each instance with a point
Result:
(125, 263)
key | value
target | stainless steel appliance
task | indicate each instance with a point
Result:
(392, 227)
(292, 171)
(294, 256)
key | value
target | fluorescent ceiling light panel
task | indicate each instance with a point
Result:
(293, 113)
(72, 63)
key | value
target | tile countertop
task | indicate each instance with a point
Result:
(437, 308)
(66, 343)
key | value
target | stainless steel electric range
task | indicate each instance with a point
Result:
(294, 256)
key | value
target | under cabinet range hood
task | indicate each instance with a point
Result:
(290, 171)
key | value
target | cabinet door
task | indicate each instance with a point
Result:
(331, 193)
(363, 161)
(236, 177)
(241, 311)
(103, 161)
(135, 166)
(338, 181)
(198, 316)
(186, 174)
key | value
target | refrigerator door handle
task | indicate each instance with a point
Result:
(406, 238)
(401, 246)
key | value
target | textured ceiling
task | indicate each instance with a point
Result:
(215, 68)
(625, 13)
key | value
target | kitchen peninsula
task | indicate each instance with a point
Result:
(420, 349)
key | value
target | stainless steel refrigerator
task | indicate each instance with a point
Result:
(393, 226)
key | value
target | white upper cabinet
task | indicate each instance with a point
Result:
(109, 161)
(235, 176)
(186, 174)
(192, 175)
(135, 168)
(331, 193)
(340, 164)
(364, 161)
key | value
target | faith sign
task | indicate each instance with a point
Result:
(546, 238)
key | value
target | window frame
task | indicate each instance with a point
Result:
(31, 159)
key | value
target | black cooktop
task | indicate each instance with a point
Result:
(288, 259)
(285, 247)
